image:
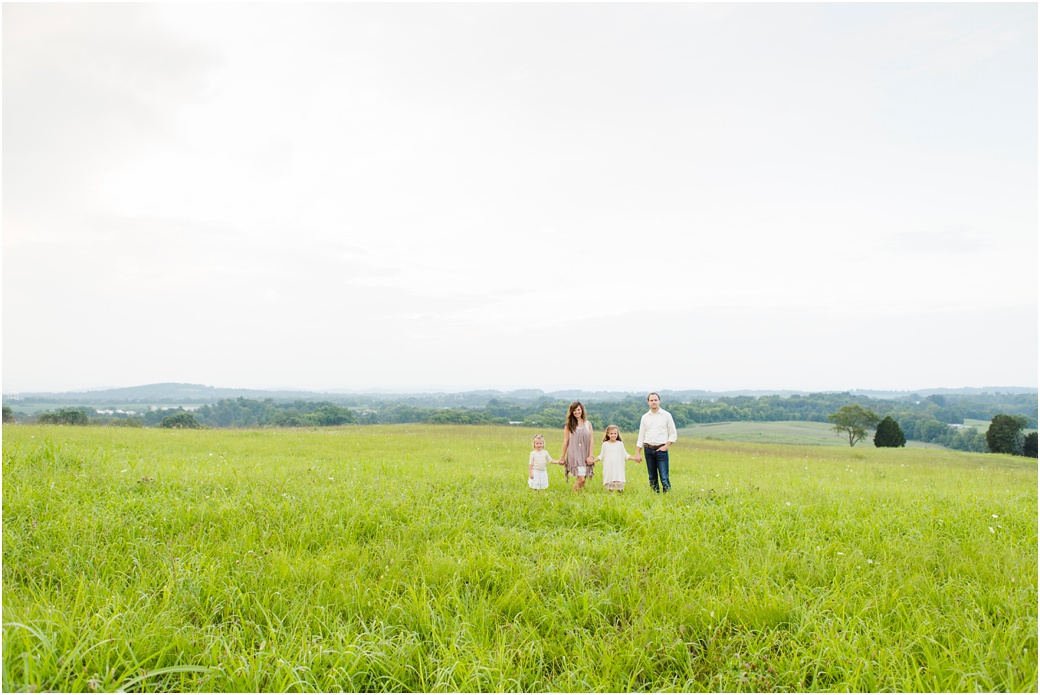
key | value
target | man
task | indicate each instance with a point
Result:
(656, 434)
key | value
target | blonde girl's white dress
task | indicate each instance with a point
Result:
(614, 457)
(539, 461)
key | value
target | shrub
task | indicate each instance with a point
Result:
(1029, 445)
(889, 434)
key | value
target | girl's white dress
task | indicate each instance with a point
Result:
(614, 457)
(539, 460)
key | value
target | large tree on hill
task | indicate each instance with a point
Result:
(853, 421)
(1004, 435)
(889, 434)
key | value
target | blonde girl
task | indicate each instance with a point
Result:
(614, 455)
(537, 475)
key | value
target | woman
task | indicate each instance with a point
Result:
(577, 446)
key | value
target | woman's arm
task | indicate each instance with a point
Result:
(589, 459)
(566, 441)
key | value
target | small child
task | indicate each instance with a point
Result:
(613, 455)
(537, 475)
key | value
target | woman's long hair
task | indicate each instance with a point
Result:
(572, 421)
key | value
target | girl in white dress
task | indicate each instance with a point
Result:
(537, 474)
(613, 455)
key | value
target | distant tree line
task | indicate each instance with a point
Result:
(927, 419)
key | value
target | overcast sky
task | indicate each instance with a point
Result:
(459, 196)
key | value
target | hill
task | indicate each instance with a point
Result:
(198, 394)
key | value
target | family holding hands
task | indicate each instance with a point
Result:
(656, 434)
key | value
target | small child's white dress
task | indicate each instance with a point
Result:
(614, 457)
(539, 460)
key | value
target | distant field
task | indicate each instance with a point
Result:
(35, 408)
(794, 432)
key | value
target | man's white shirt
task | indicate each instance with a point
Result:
(656, 428)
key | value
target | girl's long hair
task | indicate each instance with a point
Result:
(572, 421)
(606, 433)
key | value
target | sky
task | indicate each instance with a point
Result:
(424, 197)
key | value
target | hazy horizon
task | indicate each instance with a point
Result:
(740, 196)
(455, 389)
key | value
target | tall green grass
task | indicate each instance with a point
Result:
(414, 558)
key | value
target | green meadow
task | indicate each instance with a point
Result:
(415, 558)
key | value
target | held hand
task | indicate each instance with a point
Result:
(589, 460)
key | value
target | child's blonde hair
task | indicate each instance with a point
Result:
(537, 436)
(606, 433)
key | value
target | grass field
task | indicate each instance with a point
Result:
(800, 433)
(414, 558)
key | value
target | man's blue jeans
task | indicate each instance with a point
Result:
(657, 466)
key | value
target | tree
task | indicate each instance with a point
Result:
(1029, 445)
(853, 421)
(331, 415)
(65, 416)
(1004, 435)
(8, 414)
(889, 434)
(932, 430)
(181, 421)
